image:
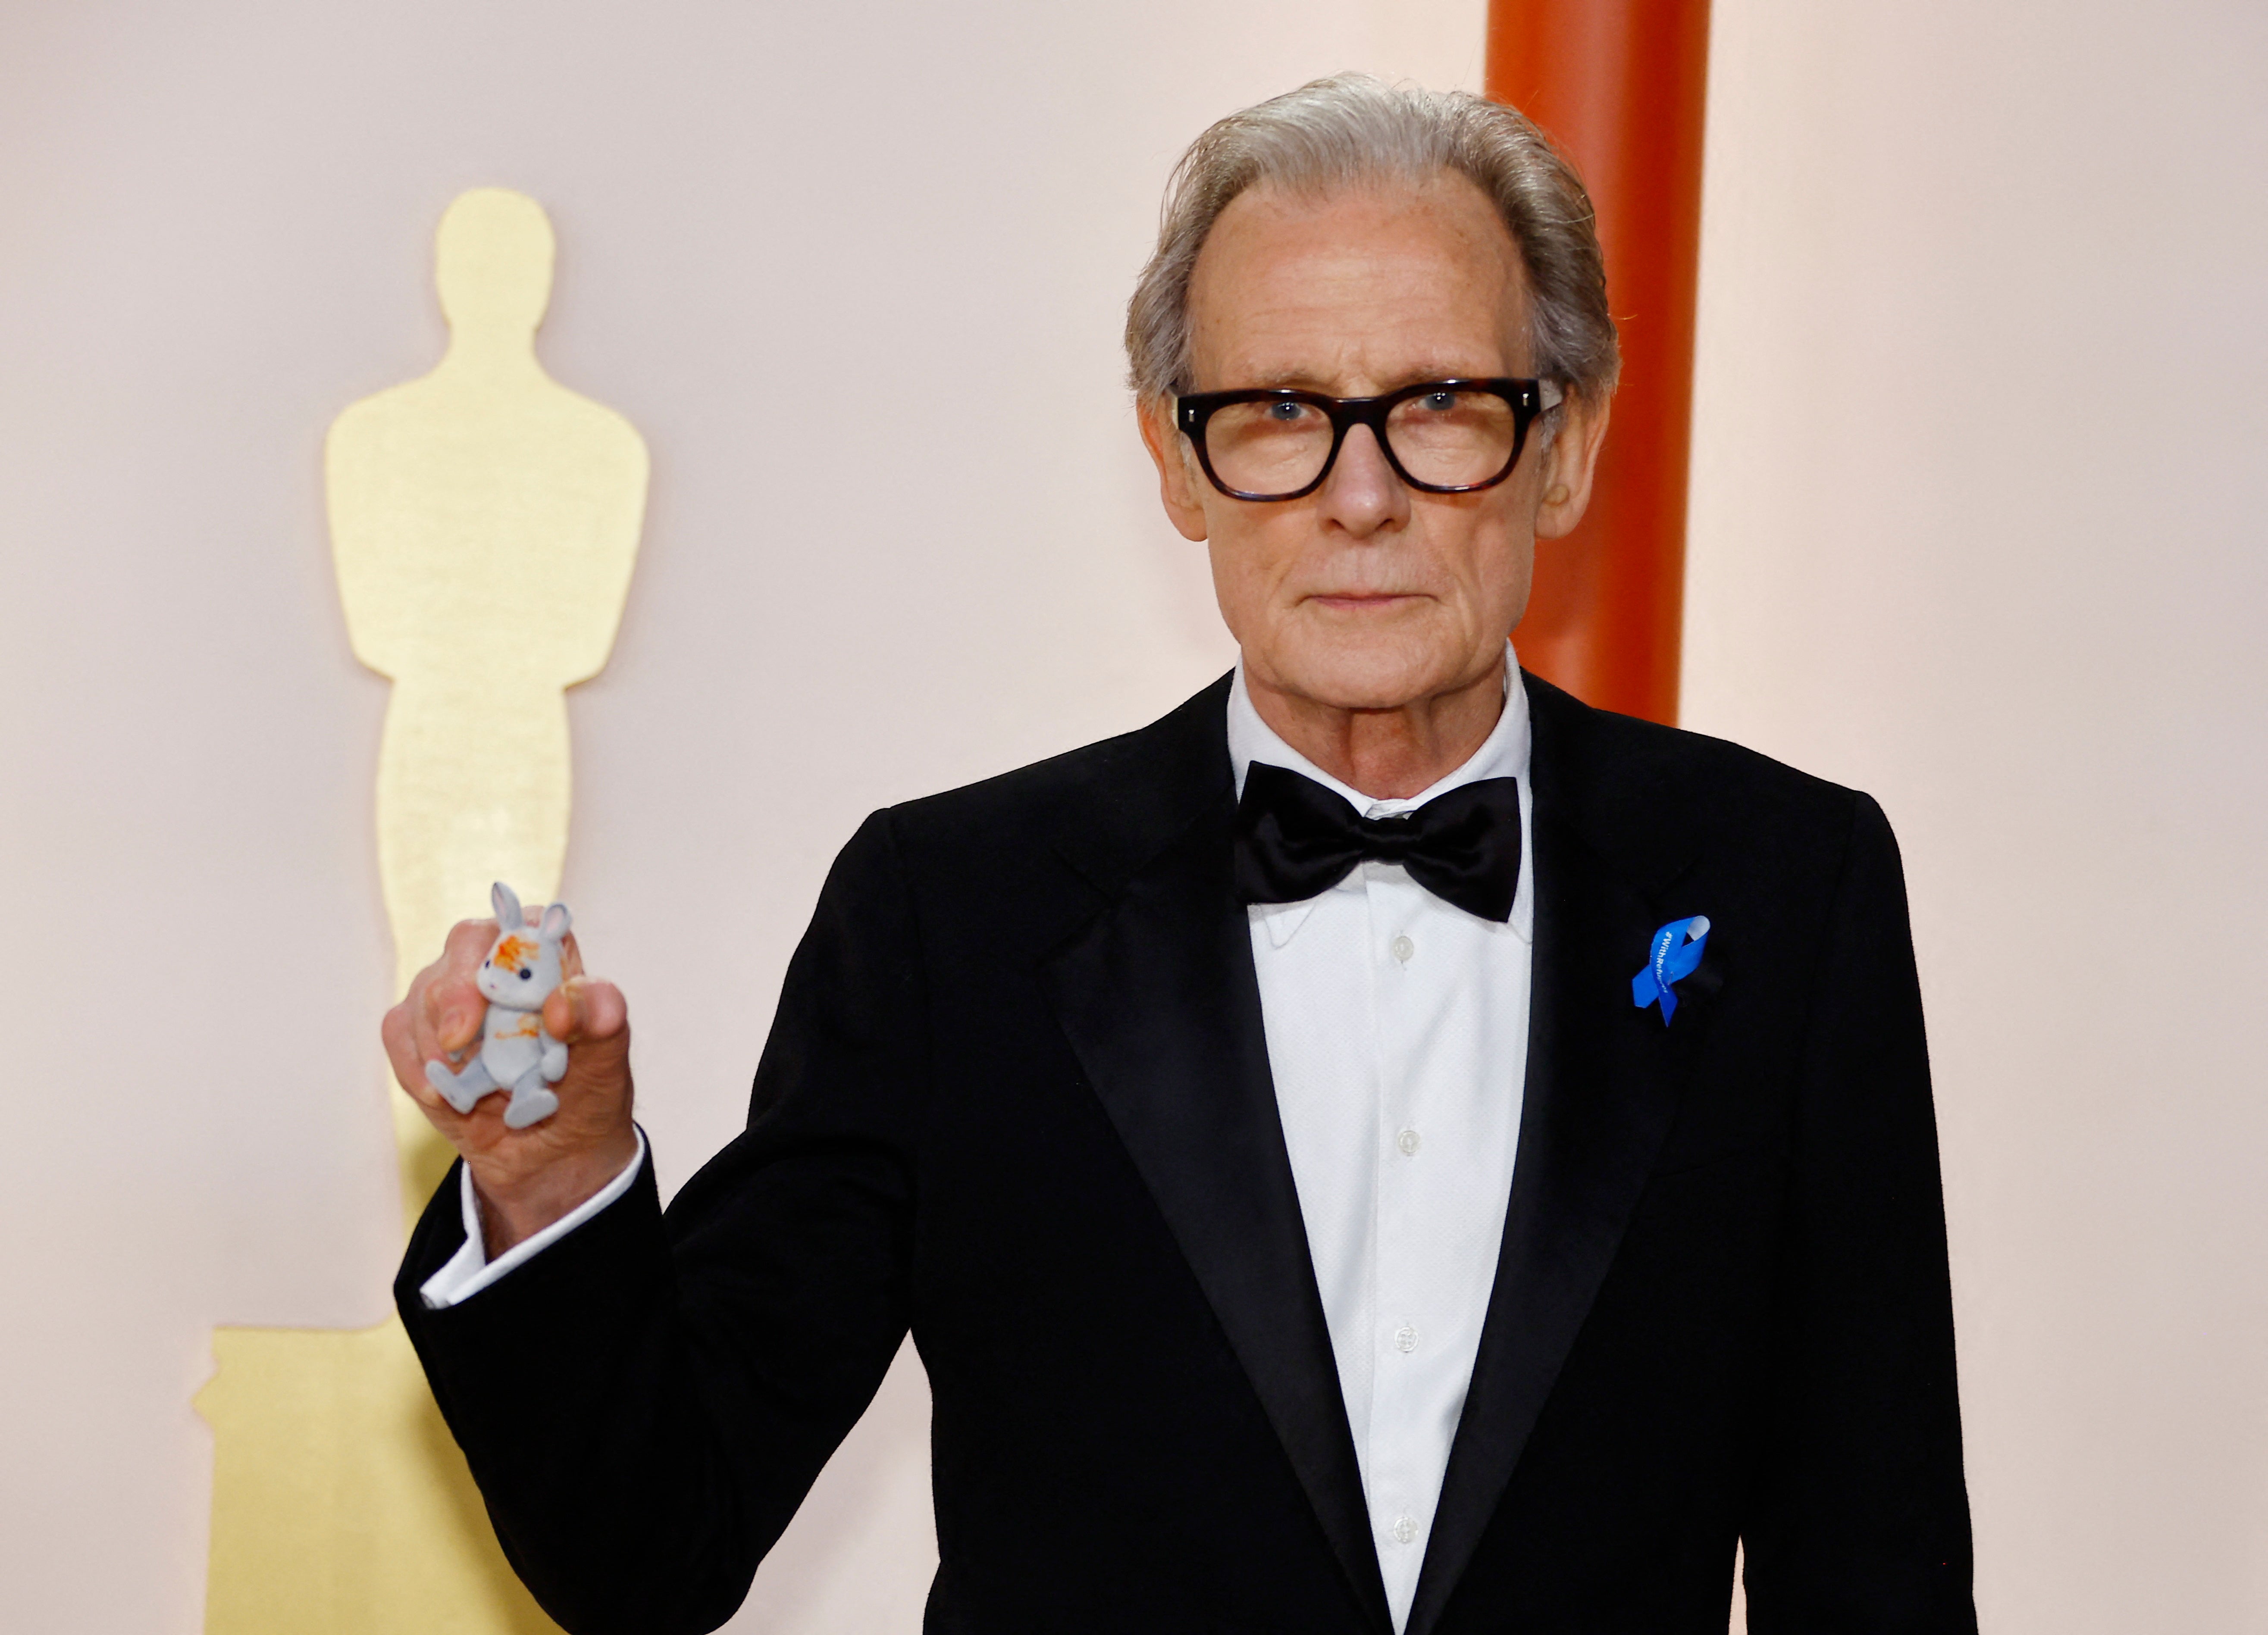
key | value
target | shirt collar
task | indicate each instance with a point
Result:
(1503, 754)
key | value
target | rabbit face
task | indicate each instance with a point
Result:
(520, 970)
(523, 966)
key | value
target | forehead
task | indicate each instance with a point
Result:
(1361, 288)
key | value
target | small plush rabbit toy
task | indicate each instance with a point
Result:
(516, 1053)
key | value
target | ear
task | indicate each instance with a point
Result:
(1569, 464)
(555, 923)
(1179, 475)
(509, 914)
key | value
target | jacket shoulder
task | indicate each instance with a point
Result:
(1103, 806)
(1665, 791)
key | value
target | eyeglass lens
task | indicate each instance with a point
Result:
(1446, 438)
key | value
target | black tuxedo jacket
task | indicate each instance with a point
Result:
(1016, 1097)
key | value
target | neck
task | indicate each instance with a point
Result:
(475, 352)
(1387, 754)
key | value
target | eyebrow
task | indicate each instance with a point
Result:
(1300, 380)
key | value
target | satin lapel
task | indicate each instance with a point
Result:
(1601, 1093)
(1159, 1001)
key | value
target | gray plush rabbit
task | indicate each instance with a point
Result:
(516, 1054)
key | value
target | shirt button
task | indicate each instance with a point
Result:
(1404, 1530)
(1408, 1142)
(1405, 1339)
(1401, 947)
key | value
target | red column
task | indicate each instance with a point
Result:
(1619, 84)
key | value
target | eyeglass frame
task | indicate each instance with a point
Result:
(1526, 397)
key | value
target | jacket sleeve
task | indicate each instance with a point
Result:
(1859, 1516)
(645, 1405)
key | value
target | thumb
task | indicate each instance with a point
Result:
(579, 1011)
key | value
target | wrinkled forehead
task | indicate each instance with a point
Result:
(1370, 280)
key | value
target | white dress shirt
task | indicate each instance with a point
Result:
(469, 1270)
(1397, 1034)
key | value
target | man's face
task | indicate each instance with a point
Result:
(1367, 594)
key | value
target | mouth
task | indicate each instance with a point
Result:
(1362, 601)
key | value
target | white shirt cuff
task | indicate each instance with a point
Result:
(469, 1270)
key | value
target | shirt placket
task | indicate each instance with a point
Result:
(1399, 1503)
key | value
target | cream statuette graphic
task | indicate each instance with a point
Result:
(484, 521)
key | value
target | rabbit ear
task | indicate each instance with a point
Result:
(555, 922)
(509, 915)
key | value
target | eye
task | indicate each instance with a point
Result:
(525, 975)
(1285, 410)
(487, 964)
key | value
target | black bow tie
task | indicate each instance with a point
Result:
(1295, 839)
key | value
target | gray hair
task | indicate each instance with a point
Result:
(1351, 128)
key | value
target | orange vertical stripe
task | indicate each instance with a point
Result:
(1619, 83)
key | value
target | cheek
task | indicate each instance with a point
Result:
(1502, 547)
(1518, 583)
(1483, 568)
(1250, 563)
(1232, 587)
(1509, 566)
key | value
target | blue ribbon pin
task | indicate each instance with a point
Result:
(1673, 960)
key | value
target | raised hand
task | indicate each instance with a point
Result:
(526, 1179)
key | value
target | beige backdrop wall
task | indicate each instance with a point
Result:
(1978, 486)
(1978, 506)
(216, 232)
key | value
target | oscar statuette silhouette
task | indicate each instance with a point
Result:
(484, 523)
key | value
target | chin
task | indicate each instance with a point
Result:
(1376, 674)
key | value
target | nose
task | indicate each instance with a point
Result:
(1362, 494)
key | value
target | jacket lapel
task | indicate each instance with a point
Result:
(1159, 998)
(1601, 1093)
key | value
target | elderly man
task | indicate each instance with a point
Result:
(1386, 1148)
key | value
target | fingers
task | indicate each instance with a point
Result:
(449, 1017)
(407, 1058)
(580, 1010)
(439, 1019)
(440, 1016)
(399, 1032)
(469, 944)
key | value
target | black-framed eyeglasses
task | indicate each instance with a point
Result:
(1443, 436)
